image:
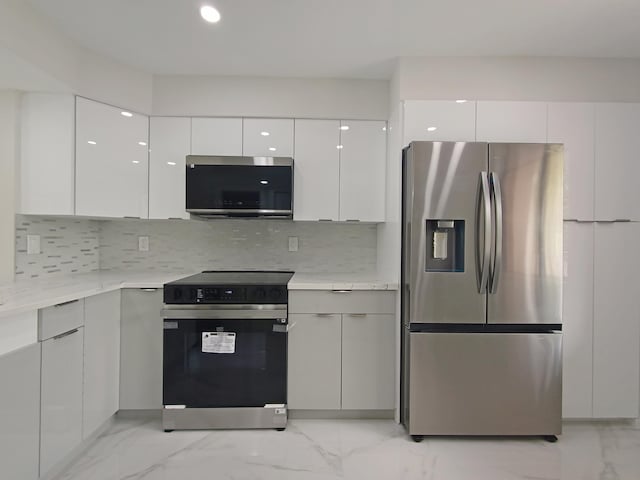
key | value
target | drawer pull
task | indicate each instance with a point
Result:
(359, 315)
(149, 289)
(323, 314)
(325, 220)
(341, 291)
(66, 303)
(353, 220)
(65, 334)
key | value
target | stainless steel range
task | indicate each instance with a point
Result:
(225, 351)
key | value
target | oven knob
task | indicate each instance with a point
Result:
(275, 294)
(260, 293)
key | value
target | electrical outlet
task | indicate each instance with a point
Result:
(293, 244)
(33, 244)
(143, 243)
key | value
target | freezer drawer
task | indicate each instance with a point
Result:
(485, 384)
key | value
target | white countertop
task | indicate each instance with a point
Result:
(340, 281)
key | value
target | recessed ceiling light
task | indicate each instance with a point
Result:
(210, 14)
(126, 114)
(171, 163)
(144, 144)
(264, 182)
(461, 101)
(344, 127)
(272, 149)
(135, 161)
(264, 134)
(91, 142)
(432, 129)
(339, 147)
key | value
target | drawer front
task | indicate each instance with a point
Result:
(336, 301)
(60, 318)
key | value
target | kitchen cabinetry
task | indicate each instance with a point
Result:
(61, 403)
(111, 161)
(20, 413)
(616, 349)
(341, 350)
(267, 137)
(216, 136)
(524, 122)
(169, 144)
(141, 349)
(317, 170)
(47, 168)
(617, 164)
(577, 327)
(101, 360)
(573, 124)
(362, 170)
(439, 120)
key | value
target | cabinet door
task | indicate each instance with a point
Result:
(368, 361)
(439, 121)
(617, 163)
(101, 360)
(20, 413)
(616, 357)
(47, 128)
(112, 161)
(511, 122)
(216, 136)
(267, 137)
(314, 361)
(577, 321)
(141, 349)
(317, 170)
(61, 394)
(573, 125)
(169, 144)
(362, 170)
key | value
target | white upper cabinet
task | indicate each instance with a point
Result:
(47, 157)
(267, 137)
(438, 120)
(316, 170)
(524, 122)
(573, 124)
(112, 161)
(362, 170)
(216, 136)
(617, 165)
(169, 144)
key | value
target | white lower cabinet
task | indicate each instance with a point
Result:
(101, 360)
(61, 397)
(341, 350)
(20, 413)
(141, 349)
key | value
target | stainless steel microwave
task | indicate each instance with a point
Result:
(239, 186)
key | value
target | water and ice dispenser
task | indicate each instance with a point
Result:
(445, 245)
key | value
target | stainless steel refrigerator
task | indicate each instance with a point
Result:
(482, 289)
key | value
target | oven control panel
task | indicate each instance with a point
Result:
(247, 294)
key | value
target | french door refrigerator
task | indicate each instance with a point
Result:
(481, 289)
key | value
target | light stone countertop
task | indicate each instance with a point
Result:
(340, 281)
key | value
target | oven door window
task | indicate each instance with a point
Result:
(224, 363)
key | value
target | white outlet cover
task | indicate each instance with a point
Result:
(293, 244)
(33, 244)
(143, 243)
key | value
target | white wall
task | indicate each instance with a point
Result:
(265, 96)
(9, 142)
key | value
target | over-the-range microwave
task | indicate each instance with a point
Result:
(239, 186)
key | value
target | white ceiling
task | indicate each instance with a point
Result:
(341, 38)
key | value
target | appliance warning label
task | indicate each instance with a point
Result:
(218, 342)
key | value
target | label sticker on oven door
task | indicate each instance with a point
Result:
(218, 342)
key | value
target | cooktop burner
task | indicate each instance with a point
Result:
(226, 286)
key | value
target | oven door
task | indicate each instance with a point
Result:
(224, 356)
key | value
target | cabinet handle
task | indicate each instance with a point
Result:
(65, 334)
(149, 289)
(353, 220)
(323, 314)
(359, 315)
(325, 220)
(341, 291)
(127, 216)
(577, 220)
(67, 303)
(624, 220)
(175, 218)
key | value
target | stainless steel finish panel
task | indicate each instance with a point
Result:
(214, 418)
(441, 182)
(234, 212)
(530, 261)
(186, 312)
(258, 161)
(485, 384)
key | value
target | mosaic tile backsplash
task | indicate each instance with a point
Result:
(71, 245)
(67, 245)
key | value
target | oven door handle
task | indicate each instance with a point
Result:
(227, 314)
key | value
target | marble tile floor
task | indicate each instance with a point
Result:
(353, 449)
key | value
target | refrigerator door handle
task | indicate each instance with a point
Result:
(483, 209)
(496, 263)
